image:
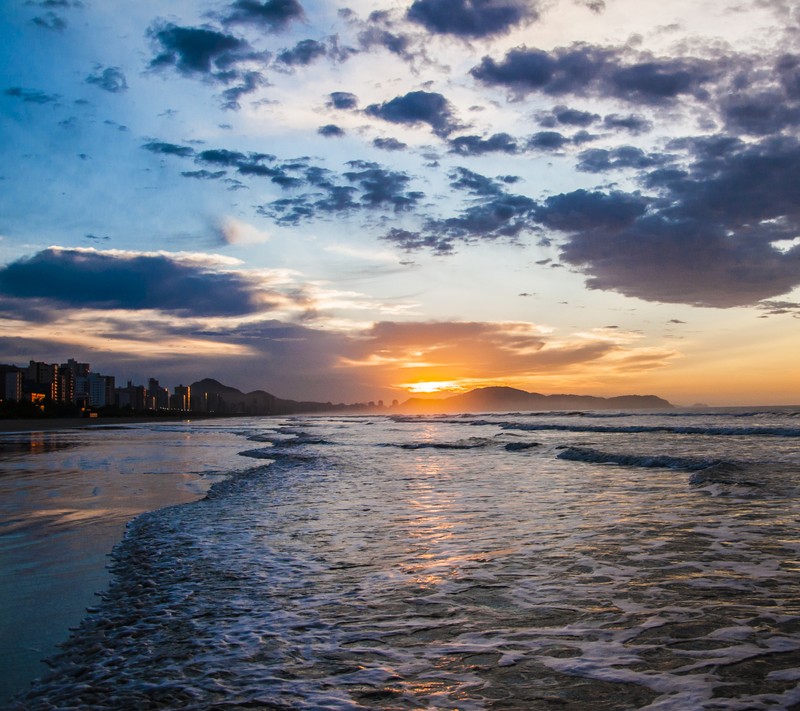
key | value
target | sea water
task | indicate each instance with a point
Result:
(518, 561)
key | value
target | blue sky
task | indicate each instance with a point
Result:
(361, 200)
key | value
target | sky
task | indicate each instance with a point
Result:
(368, 200)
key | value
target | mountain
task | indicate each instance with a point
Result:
(501, 399)
(209, 395)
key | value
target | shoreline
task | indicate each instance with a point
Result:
(65, 518)
(71, 423)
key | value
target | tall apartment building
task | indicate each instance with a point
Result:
(181, 399)
(10, 383)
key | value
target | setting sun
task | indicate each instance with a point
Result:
(439, 386)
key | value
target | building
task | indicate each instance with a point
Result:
(157, 396)
(42, 379)
(181, 399)
(100, 389)
(10, 383)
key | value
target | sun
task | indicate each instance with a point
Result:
(434, 386)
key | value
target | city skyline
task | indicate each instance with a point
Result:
(373, 200)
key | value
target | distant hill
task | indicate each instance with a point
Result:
(502, 399)
(209, 395)
(225, 400)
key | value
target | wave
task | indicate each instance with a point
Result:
(655, 461)
(770, 431)
(472, 443)
(717, 476)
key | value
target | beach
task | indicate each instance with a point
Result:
(68, 489)
(550, 561)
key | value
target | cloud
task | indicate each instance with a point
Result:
(389, 144)
(397, 44)
(272, 15)
(31, 96)
(471, 18)
(211, 55)
(380, 186)
(547, 141)
(494, 214)
(330, 131)
(471, 354)
(236, 232)
(203, 174)
(50, 21)
(249, 81)
(110, 79)
(759, 113)
(566, 116)
(88, 278)
(169, 149)
(632, 123)
(601, 160)
(196, 49)
(719, 233)
(583, 69)
(303, 53)
(475, 145)
(342, 100)
(417, 107)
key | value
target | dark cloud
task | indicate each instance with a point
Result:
(330, 131)
(471, 18)
(366, 186)
(31, 96)
(196, 49)
(395, 43)
(417, 107)
(382, 187)
(303, 53)
(581, 137)
(342, 100)
(249, 82)
(494, 214)
(759, 114)
(600, 160)
(655, 81)
(547, 141)
(566, 116)
(221, 156)
(211, 55)
(474, 183)
(632, 123)
(708, 237)
(272, 15)
(107, 280)
(203, 174)
(564, 70)
(587, 210)
(475, 145)
(583, 69)
(788, 69)
(50, 21)
(169, 149)
(389, 144)
(111, 79)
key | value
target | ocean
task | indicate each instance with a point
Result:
(570, 561)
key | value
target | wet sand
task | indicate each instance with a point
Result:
(68, 488)
(70, 423)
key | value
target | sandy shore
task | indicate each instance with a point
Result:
(69, 423)
(63, 508)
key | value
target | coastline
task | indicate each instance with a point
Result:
(70, 423)
(66, 506)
